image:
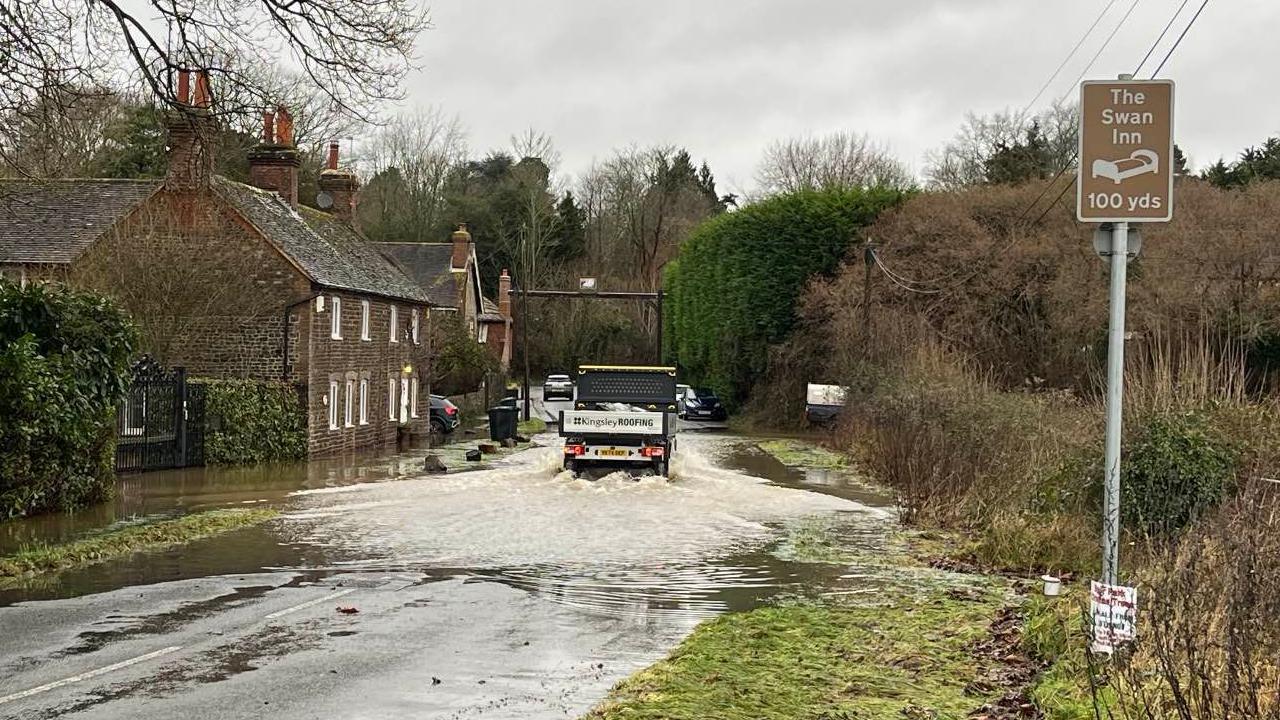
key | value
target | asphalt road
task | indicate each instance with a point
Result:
(515, 592)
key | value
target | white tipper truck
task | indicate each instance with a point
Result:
(622, 416)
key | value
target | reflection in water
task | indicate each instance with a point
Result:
(690, 547)
(175, 492)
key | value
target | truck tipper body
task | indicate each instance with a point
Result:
(623, 416)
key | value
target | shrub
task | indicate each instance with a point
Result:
(249, 422)
(64, 364)
(1174, 470)
(734, 287)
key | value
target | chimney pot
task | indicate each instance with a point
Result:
(284, 126)
(268, 127)
(333, 156)
(184, 86)
(202, 89)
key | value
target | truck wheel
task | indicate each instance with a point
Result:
(660, 467)
(570, 465)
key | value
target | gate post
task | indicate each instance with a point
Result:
(180, 415)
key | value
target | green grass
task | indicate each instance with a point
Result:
(1055, 633)
(896, 644)
(532, 426)
(909, 658)
(798, 453)
(144, 537)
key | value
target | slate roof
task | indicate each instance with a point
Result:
(431, 266)
(489, 311)
(53, 221)
(324, 247)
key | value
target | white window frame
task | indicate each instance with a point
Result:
(414, 323)
(364, 319)
(482, 335)
(395, 322)
(348, 403)
(404, 399)
(333, 404)
(413, 396)
(364, 401)
(335, 322)
(392, 381)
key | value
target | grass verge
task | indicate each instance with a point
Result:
(532, 426)
(798, 453)
(910, 657)
(149, 536)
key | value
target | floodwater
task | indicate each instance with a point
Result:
(698, 543)
(529, 590)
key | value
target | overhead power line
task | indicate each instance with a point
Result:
(1163, 32)
(1098, 54)
(1178, 42)
(1070, 55)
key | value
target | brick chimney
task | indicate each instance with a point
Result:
(461, 247)
(343, 187)
(274, 163)
(504, 294)
(191, 136)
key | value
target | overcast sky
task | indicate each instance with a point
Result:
(725, 77)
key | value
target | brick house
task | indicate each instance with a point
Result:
(450, 275)
(250, 284)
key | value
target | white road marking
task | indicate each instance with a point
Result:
(309, 603)
(91, 674)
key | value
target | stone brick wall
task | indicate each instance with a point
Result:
(351, 359)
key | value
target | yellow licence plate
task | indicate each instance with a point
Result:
(613, 453)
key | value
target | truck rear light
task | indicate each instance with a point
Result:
(450, 410)
(652, 452)
(575, 449)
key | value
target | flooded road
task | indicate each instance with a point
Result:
(518, 591)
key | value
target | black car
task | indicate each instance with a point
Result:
(702, 404)
(444, 415)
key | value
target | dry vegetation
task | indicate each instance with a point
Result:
(977, 398)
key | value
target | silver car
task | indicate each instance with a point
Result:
(557, 387)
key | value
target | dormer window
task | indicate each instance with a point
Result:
(335, 320)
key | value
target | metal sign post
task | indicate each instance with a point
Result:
(1125, 175)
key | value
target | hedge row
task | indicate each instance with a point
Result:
(64, 364)
(249, 422)
(733, 289)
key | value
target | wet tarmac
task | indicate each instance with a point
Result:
(517, 591)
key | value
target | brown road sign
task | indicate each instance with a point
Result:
(1126, 151)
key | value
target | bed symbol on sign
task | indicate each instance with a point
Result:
(1139, 162)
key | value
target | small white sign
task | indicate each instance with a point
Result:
(586, 283)
(1114, 612)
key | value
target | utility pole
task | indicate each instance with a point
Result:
(1115, 400)
(869, 259)
(524, 332)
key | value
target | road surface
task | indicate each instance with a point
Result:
(515, 592)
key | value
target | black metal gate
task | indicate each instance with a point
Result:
(160, 423)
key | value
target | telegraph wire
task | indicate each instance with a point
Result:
(1070, 55)
(1178, 42)
(1156, 44)
(1098, 54)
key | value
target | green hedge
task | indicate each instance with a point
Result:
(64, 364)
(249, 422)
(733, 289)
